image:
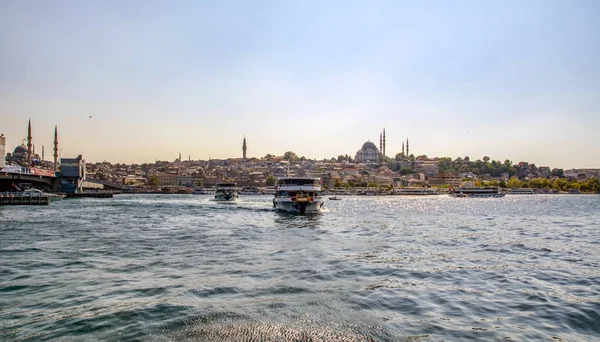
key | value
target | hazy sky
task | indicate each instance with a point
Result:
(516, 80)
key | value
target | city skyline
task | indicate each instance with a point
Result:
(135, 82)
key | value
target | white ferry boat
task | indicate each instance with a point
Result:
(226, 192)
(298, 195)
(483, 191)
(417, 191)
(520, 191)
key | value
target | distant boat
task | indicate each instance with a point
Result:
(28, 190)
(478, 192)
(203, 191)
(226, 192)
(335, 198)
(520, 191)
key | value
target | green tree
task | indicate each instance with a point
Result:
(514, 182)
(399, 156)
(406, 171)
(153, 180)
(271, 180)
(290, 156)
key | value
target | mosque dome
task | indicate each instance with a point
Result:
(367, 145)
(20, 152)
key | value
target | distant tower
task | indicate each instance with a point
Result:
(29, 146)
(403, 155)
(407, 153)
(180, 156)
(244, 148)
(384, 141)
(55, 148)
(380, 143)
(189, 157)
(42, 152)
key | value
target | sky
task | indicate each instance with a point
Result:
(515, 79)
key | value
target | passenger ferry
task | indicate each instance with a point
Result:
(298, 195)
(417, 191)
(521, 191)
(469, 190)
(226, 192)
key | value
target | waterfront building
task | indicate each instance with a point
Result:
(2, 150)
(72, 171)
(427, 166)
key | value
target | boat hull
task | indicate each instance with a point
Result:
(287, 205)
(226, 197)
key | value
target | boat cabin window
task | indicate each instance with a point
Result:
(304, 182)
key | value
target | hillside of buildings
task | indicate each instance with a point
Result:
(343, 172)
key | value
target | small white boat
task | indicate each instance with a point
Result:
(298, 195)
(334, 198)
(27, 189)
(202, 191)
(226, 192)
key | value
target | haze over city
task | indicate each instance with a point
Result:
(140, 81)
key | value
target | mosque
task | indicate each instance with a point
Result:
(25, 154)
(369, 152)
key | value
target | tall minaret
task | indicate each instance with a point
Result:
(42, 152)
(380, 143)
(384, 141)
(180, 157)
(29, 146)
(55, 147)
(403, 155)
(244, 148)
(407, 153)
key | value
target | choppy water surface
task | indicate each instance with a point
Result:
(177, 267)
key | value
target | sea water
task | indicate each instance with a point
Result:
(182, 267)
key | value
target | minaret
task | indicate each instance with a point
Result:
(29, 146)
(55, 148)
(403, 150)
(42, 153)
(407, 153)
(180, 157)
(380, 143)
(244, 148)
(384, 141)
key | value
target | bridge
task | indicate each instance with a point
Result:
(12, 175)
(91, 183)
